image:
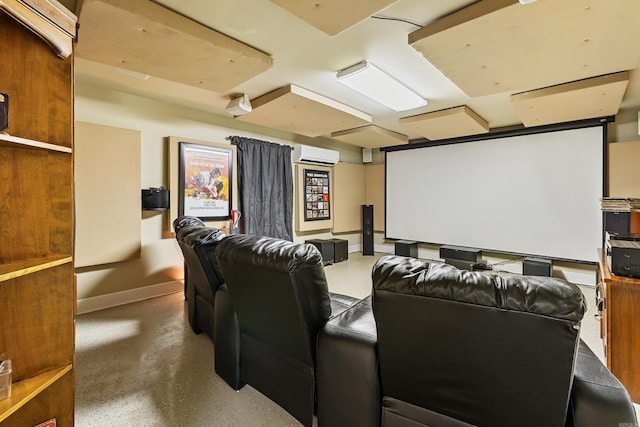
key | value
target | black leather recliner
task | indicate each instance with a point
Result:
(445, 347)
(281, 299)
(203, 278)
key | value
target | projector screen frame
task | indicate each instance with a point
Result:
(424, 143)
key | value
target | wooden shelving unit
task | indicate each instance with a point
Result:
(37, 286)
(620, 326)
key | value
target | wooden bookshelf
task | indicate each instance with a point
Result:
(37, 286)
(620, 326)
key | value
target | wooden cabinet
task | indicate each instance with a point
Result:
(37, 286)
(620, 326)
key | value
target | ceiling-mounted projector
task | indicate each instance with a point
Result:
(239, 106)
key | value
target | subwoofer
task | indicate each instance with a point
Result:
(367, 229)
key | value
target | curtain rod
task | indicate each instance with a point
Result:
(228, 138)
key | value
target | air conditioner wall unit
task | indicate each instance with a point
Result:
(314, 155)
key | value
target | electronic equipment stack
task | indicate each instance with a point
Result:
(622, 235)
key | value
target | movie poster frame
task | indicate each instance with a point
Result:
(210, 157)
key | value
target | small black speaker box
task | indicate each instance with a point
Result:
(406, 248)
(155, 199)
(325, 247)
(367, 229)
(537, 267)
(463, 254)
(340, 250)
(617, 222)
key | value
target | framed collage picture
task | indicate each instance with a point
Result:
(316, 195)
(205, 174)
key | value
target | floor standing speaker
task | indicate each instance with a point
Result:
(367, 229)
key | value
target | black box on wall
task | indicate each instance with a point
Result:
(155, 199)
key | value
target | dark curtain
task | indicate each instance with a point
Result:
(265, 183)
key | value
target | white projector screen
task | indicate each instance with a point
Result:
(536, 194)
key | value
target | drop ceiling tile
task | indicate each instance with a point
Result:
(147, 38)
(496, 46)
(595, 97)
(450, 123)
(297, 110)
(370, 136)
(333, 16)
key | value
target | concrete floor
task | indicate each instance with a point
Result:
(141, 365)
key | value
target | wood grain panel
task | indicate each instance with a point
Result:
(621, 330)
(39, 225)
(145, 37)
(530, 46)
(331, 16)
(37, 106)
(585, 99)
(370, 136)
(449, 123)
(295, 109)
(40, 306)
(49, 403)
(348, 195)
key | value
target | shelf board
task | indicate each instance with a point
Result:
(12, 271)
(24, 391)
(33, 144)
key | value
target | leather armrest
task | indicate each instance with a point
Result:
(227, 339)
(340, 303)
(597, 397)
(347, 384)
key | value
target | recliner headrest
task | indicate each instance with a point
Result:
(540, 295)
(187, 221)
(268, 252)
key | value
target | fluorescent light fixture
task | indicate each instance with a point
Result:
(526, 1)
(131, 73)
(371, 81)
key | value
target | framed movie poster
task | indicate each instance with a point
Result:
(205, 174)
(316, 195)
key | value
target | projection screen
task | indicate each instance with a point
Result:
(535, 194)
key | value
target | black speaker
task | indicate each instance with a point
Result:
(325, 247)
(537, 267)
(367, 229)
(617, 222)
(448, 252)
(406, 248)
(340, 250)
(155, 199)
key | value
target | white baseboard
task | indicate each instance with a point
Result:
(87, 305)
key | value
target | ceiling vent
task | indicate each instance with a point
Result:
(315, 155)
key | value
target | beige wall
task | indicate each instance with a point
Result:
(160, 263)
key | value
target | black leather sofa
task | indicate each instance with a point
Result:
(203, 278)
(279, 294)
(437, 346)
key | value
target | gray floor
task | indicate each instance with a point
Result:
(141, 365)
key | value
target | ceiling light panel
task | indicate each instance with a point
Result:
(374, 83)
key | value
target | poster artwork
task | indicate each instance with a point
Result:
(206, 182)
(316, 190)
